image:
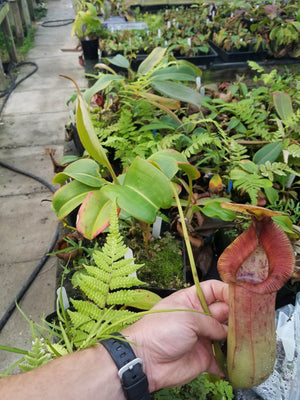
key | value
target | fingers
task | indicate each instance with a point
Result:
(219, 311)
(214, 290)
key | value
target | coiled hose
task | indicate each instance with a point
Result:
(43, 260)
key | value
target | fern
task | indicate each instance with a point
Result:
(105, 131)
(237, 153)
(269, 169)
(37, 356)
(201, 388)
(249, 183)
(199, 141)
(255, 67)
(294, 150)
(106, 284)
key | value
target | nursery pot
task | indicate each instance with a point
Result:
(90, 49)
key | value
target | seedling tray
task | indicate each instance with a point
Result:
(201, 59)
(238, 56)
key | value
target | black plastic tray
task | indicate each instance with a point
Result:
(201, 59)
(237, 56)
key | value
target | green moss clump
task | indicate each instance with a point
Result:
(165, 268)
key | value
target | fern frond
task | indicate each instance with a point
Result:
(106, 284)
(269, 169)
(250, 183)
(37, 356)
(124, 282)
(123, 268)
(294, 150)
(87, 308)
(237, 152)
(122, 297)
(169, 141)
(81, 321)
(199, 141)
(255, 67)
(57, 349)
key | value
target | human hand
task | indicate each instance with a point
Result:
(177, 346)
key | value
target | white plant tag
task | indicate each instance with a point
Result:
(62, 295)
(156, 228)
(129, 255)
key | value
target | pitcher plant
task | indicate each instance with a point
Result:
(256, 265)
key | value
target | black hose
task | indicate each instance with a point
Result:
(43, 260)
(35, 177)
(13, 83)
(57, 23)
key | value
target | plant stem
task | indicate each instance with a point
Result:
(216, 346)
(190, 253)
(190, 195)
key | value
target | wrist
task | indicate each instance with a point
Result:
(111, 372)
(139, 347)
(130, 367)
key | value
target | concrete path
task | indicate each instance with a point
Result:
(33, 119)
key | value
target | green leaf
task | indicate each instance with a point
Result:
(283, 105)
(104, 81)
(269, 152)
(85, 171)
(272, 194)
(143, 299)
(180, 73)
(119, 61)
(234, 89)
(284, 222)
(68, 197)
(244, 89)
(151, 61)
(144, 191)
(197, 70)
(214, 210)
(249, 166)
(179, 92)
(234, 122)
(169, 161)
(68, 159)
(94, 214)
(158, 125)
(241, 128)
(87, 133)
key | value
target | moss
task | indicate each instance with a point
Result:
(165, 268)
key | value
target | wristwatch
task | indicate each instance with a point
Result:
(134, 380)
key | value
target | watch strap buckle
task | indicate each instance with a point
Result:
(129, 366)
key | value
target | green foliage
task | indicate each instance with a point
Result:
(103, 285)
(133, 137)
(165, 268)
(201, 388)
(37, 356)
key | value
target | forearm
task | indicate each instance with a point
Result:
(85, 375)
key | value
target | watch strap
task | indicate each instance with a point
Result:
(134, 380)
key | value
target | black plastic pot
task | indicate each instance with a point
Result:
(90, 49)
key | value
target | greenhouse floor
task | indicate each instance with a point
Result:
(33, 120)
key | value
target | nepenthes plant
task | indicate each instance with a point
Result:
(256, 265)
